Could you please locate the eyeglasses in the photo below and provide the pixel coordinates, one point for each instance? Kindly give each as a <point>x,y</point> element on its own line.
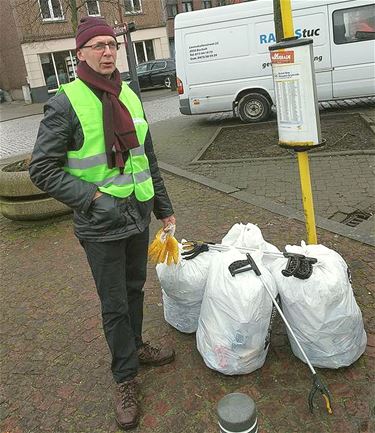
<point>100,46</point>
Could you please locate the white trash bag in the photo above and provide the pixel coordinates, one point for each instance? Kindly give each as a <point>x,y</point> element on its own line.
<point>322,310</point>
<point>249,236</point>
<point>183,287</point>
<point>235,316</point>
<point>181,316</point>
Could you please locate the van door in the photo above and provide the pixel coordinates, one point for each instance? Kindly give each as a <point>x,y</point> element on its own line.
<point>353,49</point>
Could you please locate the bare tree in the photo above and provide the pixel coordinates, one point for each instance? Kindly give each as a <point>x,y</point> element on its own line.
<point>32,15</point>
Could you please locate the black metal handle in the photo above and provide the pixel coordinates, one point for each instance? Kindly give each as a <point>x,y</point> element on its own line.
<point>298,266</point>
<point>240,266</point>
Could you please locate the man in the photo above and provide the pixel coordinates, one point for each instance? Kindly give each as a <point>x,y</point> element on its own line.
<point>94,153</point>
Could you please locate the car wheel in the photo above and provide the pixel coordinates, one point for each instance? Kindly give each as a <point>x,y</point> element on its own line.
<point>167,82</point>
<point>254,107</point>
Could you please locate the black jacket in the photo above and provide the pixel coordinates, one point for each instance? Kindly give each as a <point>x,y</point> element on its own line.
<point>106,218</point>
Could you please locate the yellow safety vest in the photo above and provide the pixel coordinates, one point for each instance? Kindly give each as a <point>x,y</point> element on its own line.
<point>90,161</point>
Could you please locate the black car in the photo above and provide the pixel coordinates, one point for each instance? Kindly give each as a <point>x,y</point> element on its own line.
<point>154,73</point>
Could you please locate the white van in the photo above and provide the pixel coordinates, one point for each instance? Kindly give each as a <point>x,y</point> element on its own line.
<point>223,61</point>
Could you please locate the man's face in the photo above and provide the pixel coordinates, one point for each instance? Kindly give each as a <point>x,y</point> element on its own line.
<point>101,61</point>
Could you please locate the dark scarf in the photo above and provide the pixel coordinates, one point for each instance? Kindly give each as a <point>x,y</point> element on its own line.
<point>119,131</point>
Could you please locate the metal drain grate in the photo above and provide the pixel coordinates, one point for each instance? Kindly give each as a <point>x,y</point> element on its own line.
<point>355,218</point>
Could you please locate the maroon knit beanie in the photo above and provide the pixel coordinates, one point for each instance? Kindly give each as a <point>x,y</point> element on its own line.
<point>89,27</point>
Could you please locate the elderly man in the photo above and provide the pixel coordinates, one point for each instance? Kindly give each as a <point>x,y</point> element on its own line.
<point>94,153</point>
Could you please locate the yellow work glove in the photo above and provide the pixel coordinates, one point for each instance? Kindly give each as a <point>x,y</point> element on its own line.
<point>164,247</point>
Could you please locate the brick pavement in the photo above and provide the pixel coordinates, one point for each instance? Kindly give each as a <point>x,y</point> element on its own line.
<point>55,363</point>
<point>340,182</point>
<point>278,179</point>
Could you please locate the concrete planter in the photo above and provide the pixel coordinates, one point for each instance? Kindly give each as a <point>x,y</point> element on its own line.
<point>21,200</point>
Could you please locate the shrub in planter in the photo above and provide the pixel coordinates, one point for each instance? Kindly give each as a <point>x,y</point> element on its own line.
<point>20,199</point>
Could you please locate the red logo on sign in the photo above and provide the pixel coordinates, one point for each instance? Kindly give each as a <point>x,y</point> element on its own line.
<point>282,56</point>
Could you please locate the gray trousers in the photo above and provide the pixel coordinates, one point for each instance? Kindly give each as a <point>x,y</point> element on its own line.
<point>119,270</point>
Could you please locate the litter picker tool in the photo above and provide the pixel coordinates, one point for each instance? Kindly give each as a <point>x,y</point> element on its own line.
<point>297,265</point>
<point>249,264</point>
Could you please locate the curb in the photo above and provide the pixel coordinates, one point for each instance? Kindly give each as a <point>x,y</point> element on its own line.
<point>20,117</point>
<point>321,222</point>
<point>14,158</point>
<point>198,161</point>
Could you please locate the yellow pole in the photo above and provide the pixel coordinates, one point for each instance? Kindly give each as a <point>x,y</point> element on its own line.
<point>307,199</point>
<point>303,158</point>
<point>287,18</point>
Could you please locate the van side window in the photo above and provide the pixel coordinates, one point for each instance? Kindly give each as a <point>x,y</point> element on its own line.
<point>354,24</point>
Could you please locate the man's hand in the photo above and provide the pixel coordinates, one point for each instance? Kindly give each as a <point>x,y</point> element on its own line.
<point>167,221</point>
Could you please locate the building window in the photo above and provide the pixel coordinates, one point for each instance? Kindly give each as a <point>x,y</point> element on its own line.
<point>92,7</point>
<point>187,6</point>
<point>58,68</point>
<point>133,6</point>
<point>206,4</point>
<point>144,51</point>
<point>51,10</point>
<point>172,10</point>
<point>354,24</point>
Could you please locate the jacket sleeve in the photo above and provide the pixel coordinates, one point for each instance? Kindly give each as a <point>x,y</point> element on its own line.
<point>162,204</point>
<point>49,156</point>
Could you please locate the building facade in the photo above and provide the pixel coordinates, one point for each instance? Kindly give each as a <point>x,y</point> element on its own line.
<point>40,39</point>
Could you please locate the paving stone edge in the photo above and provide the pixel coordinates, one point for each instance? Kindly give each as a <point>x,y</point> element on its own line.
<point>264,203</point>
<point>196,161</point>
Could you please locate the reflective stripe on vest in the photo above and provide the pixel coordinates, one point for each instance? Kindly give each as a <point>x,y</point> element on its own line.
<point>90,161</point>
<point>124,179</point>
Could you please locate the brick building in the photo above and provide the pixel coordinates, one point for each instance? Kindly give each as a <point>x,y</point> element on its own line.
<point>12,66</point>
<point>38,45</point>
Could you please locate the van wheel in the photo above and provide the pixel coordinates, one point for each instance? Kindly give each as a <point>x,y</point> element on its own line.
<point>254,107</point>
<point>167,82</point>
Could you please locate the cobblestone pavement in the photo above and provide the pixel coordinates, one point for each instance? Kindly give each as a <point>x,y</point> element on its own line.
<point>55,363</point>
<point>18,135</point>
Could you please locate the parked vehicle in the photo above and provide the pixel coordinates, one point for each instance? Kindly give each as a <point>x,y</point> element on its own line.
<point>223,62</point>
<point>154,73</point>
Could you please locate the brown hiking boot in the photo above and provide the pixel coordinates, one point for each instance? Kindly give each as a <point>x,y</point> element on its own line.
<point>126,404</point>
<point>149,355</point>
